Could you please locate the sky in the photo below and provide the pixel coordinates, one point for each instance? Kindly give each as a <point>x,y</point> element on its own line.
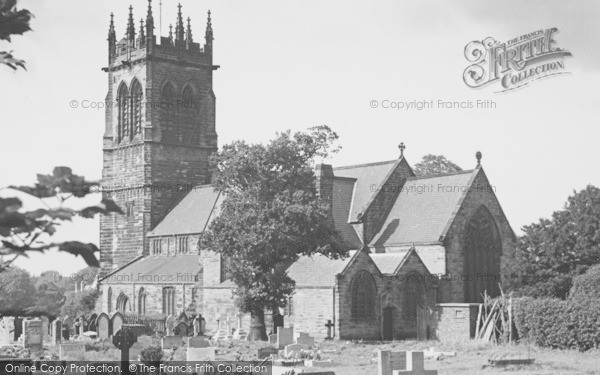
<point>292,65</point>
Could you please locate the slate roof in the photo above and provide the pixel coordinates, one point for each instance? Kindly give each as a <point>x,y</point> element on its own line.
<point>177,269</point>
<point>388,262</point>
<point>367,176</point>
<point>317,270</point>
<point>343,189</point>
<point>424,209</point>
<point>191,214</point>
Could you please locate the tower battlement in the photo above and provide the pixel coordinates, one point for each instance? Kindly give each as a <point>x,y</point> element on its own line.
<point>144,43</point>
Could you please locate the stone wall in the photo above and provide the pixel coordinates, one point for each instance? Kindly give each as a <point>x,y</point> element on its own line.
<point>184,296</point>
<point>456,321</point>
<point>311,309</point>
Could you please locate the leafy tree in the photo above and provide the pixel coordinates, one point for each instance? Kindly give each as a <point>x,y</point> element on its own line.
<point>12,22</point>
<point>554,251</point>
<point>270,216</point>
<point>17,292</point>
<point>80,303</point>
<point>24,231</point>
<point>435,164</point>
<point>49,298</point>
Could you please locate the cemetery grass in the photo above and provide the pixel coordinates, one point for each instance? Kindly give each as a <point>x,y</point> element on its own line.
<point>359,358</point>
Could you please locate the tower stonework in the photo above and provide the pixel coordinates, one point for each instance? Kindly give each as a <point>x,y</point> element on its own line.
<point>160,129</point>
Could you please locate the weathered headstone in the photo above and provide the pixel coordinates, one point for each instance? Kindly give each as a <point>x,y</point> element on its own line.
<point>17,328</point>
<point>71,350</point>
<point>6,330</point>
<point>116,321</point>
<point>201,354</point>
<point>405,363</point>
<point>170,323</point>
<point>124,339</point>
<point>273,339</point>
<point>56,328</point>
<point>181,329</point>
<point>197,342</point>
<point>33,335</point>
<point>45,328</point>
<point>103,326</point>
<point>330,327</point>
<point>294,350</point>
<point>170,342</point>
<point>285,336</point>
<point>267,352</point>
<point>305,339</point>
<point>197,326</point>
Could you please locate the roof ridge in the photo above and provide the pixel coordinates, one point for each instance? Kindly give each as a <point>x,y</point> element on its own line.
<point>469,171</point>
<point>365,165</point>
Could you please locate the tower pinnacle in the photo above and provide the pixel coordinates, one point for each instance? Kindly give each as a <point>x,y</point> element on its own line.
<point>188,33</point>
<point>179,29</point>
<point>131,27</point>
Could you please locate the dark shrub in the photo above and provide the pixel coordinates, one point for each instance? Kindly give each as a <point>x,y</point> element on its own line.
<point>151,355</point>
<point>587,286</point>
<point>559,324</point>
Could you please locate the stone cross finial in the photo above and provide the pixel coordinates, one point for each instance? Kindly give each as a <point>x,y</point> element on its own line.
<point>478,157</point>
<point>401,146</point>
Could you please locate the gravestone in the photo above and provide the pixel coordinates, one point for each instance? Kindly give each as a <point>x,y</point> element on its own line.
<point>197,326</point>
<point>405,363</point>
<point>285,336</point>
<point>103,326</point>
<point>305,339</point>
<point>124,339</point>
<point>267,352</point>
<point>294,350</point>
<point>71,350</point>
<point>330,327</point>
<point>273,339</point>
<point>33,335</point>
<point>45,329</point>
<point>116,322</point>
<point>181,329</point>
<point>56,328</point>
<point>6,330</point>
<point>201,354</point>
<point>170,323</point>
<point>197,342</point>
<point>170,342</point>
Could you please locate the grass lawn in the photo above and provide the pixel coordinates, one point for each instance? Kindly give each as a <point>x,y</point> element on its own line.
<point>354,358</point>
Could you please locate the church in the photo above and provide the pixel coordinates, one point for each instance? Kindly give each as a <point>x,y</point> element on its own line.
<point>423,249</point>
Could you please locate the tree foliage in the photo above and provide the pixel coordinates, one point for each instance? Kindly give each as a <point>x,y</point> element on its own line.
<point>271,215</point>
<point>435,164</point>
<point>12,22</point>
<point>22,232</point>
<point>17,292</point>
<point>80,303</point>
<point>554,251</point>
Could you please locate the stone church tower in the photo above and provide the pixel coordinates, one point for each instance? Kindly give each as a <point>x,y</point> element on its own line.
<point>160,129</point>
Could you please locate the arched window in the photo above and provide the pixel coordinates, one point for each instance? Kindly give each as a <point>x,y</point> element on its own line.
<point>123,119</point>
<point>142,302</point>
<point>169,301</point>
<point>413,296</point>
<point>364,291</point>
<point>483,249</point>
<point>122,303</point>
<point>136,108</point>
<point>167,112</point>
<point>109,300</point>
<point>189,115</point>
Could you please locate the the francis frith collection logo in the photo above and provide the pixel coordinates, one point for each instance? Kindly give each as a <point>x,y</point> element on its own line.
<point>515,63</point>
